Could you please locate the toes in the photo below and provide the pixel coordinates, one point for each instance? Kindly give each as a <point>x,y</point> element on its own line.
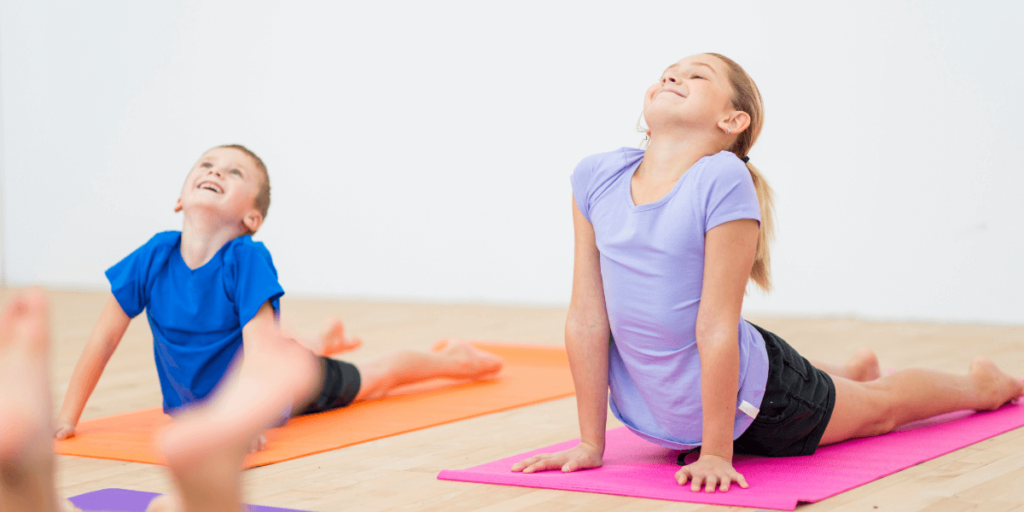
<point>441,345</point>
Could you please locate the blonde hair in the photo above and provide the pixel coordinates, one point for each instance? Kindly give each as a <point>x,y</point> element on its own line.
<point>262,202</point>
<point>747,98</point>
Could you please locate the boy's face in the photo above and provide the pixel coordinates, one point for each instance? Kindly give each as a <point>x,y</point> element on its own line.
<point>225,183</point>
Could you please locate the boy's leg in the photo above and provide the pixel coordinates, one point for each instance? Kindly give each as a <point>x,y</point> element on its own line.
<point>450,358</point>
<point>865,409</point>
<point>26,432</point>
<point>862,367</point>
<point>206,448</point>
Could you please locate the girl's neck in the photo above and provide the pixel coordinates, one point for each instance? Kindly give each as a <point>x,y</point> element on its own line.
<point>667,158</point>
<point>202,237</point>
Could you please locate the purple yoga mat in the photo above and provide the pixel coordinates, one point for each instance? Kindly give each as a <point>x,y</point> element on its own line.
<point>123,500</point>
<point>634,467</point>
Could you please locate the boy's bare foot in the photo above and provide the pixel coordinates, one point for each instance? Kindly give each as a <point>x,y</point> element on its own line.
<point>996,386</point>
<point>334,340</point>
<point>206,449</point>
<point>473,363</point>
<point>26,446</point>
<point>863,366</point>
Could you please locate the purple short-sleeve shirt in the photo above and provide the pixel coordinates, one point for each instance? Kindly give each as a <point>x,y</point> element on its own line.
<point>652,266</point>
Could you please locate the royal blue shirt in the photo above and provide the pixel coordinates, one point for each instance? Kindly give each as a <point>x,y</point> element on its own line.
<point>197,315</point>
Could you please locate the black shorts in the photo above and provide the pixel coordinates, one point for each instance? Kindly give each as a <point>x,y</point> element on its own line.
<point>798,402</point>
<point>340,386</point>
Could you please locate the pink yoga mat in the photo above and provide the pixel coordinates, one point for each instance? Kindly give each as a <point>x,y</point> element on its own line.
<point>634,467</point>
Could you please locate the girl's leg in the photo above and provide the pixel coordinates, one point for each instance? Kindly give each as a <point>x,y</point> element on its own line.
<point>450,358</point>
<point>26,432</point>
<point>205,450</point>
<point>862,367</point>
<point>876,407</point>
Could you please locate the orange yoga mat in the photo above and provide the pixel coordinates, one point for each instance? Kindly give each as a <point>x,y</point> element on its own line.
<point>531,374</point>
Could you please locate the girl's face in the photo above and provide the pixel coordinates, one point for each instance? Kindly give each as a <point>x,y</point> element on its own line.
<point>694,92</point>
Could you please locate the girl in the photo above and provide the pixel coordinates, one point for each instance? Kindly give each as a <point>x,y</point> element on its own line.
<point>666,240</point>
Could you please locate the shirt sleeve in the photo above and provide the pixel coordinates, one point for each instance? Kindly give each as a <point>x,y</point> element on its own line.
<point>129,278</point>
<point>254,280</point>
<point>728,192</point>
<point>581,178</point>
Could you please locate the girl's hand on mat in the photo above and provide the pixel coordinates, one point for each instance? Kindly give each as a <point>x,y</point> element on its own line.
<point>710,470</point>
<point>65,429</point>
<point>581,456</point>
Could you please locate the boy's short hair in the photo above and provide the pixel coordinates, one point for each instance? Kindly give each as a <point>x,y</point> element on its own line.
<point>263,196</point>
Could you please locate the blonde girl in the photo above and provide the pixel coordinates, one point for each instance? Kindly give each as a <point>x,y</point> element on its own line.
<point>666,241</point>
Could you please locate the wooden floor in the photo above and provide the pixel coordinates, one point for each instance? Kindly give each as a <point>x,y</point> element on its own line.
<point>399,473</point>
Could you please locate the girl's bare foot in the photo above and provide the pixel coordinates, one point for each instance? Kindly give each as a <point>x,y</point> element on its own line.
<point>206,448</point>
<point>863,366</point>
<point>334,340</point>
<point>995,386</point>
<point>472,363</point>
<point>26,446</point>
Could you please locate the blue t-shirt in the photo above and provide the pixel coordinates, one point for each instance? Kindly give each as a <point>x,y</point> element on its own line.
<point>197,315</point>
<point>652,267</point>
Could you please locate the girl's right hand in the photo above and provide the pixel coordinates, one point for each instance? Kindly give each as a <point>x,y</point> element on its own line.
<point>65,429</point>
<point>581,456</point>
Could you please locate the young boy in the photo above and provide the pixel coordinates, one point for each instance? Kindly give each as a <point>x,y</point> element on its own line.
<point>210,289</point>
<point>204,451</point>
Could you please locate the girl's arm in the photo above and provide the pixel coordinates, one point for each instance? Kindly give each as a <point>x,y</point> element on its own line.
<point>728,257</point>
<point>586,341</point>
<point>102,343</point>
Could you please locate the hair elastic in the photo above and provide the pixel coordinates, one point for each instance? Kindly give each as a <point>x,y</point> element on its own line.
<point>745,159</point>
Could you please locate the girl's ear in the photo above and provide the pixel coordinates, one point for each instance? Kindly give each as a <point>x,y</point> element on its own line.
<point>735,123</point>
<point>252,221</point>
<point>177,205</point>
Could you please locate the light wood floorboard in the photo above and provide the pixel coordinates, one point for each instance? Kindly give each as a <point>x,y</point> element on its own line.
<point>399,473</point>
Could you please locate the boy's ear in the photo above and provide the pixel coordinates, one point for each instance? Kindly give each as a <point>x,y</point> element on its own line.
<point>252,221</point>
<point>177,205</point>
<point>735,123</point>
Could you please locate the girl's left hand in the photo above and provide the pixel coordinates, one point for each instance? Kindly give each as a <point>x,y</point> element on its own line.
<point>710,470</point>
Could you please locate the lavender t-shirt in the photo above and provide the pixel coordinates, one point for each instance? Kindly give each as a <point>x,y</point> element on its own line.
<point>652,265</point>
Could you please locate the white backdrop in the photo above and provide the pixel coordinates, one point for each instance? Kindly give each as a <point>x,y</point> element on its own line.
<point>421,150</point>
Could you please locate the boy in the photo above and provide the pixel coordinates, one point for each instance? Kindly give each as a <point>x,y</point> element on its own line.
<point>210,289</point>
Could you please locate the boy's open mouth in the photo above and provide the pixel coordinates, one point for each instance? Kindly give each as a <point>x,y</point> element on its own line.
<point>211,186</point>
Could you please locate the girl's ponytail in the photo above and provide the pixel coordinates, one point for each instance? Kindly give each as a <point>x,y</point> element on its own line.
<point>747,98</point>
<point>761,272</point>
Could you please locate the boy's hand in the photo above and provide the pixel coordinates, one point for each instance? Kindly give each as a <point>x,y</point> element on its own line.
<point>710,470</point>
<point>65,429</point>
<point>581,456</point>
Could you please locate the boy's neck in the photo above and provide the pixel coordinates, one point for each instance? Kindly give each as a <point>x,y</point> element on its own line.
<point>202,237</point>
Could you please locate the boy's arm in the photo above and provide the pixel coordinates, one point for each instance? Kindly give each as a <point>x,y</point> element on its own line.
<point>102,343</point>
<point>262,327</point>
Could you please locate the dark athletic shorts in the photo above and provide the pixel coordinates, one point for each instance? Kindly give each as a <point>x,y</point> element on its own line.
<point>798,402</point>
<point>340,387</point>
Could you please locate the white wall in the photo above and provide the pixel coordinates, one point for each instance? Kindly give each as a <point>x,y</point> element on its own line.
<point>421,150</point>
